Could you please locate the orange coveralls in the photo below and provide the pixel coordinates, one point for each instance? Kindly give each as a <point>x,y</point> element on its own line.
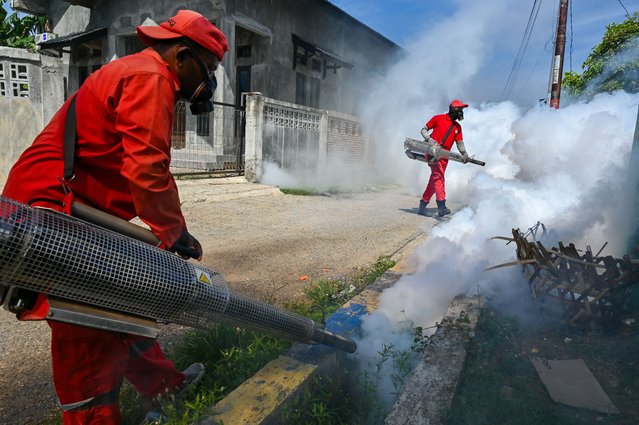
<point>440,124</point>
<point>122,156</point>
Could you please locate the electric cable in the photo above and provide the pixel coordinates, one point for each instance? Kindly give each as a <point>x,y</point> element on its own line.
<point>512,77</point>
<point>624,8</point>
<point>571,37</point>
<point>545,51</point>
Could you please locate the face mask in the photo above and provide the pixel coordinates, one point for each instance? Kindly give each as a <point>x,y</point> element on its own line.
<point>201,98</point>
<point>456,113</point>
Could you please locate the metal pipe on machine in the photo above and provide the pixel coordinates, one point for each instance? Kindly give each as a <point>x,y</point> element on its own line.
<point>97,277</point>
<point>417,149</point>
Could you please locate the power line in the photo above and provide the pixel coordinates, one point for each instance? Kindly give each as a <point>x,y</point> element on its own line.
<point>571,36</point>
<point>532,19</point>
<point>624,8</point>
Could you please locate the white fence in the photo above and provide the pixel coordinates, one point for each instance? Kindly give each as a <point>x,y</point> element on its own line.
<point>297,138</point>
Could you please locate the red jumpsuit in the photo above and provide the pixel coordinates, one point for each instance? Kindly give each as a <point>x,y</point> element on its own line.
<point>441,124</point>
<point>124,123</point>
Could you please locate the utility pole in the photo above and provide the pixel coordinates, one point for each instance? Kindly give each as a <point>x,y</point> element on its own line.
<point>557,67</point>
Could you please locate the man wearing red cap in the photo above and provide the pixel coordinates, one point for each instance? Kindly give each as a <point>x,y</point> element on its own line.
<point>446,130</point>
<point>124,117</point>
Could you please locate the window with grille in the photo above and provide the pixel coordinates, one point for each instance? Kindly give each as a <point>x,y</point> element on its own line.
<point>243,51</point>
<point>314,93</point>
<point>3,83</point>
<point>300,89</point>
<point>19,78</point>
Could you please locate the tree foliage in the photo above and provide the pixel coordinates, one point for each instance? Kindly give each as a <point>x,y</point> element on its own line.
<point>613,64</point>
<point>18,31</point>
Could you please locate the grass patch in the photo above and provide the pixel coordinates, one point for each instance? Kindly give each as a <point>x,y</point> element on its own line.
<point>359,397</point>
<point>335,190</point>
<point>321,402</point>
<point>298,192</point>
<point>230,356</point>
<point>325,296</point>
<point>499,384</point>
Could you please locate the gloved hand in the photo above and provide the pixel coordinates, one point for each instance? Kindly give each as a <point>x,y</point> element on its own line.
<point>187,246</point>
<point>465,157</point>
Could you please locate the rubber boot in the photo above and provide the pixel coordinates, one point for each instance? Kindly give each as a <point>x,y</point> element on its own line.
<point>441,208</point>
<point>422,207</point>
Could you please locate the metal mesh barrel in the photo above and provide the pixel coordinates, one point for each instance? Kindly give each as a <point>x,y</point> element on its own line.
<point>51,253</point>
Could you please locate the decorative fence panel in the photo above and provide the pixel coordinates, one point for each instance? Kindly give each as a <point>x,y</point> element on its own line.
<point>300,140</point>
<point>291,137</point>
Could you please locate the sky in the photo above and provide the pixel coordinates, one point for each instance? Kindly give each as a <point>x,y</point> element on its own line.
<point>404,21</point>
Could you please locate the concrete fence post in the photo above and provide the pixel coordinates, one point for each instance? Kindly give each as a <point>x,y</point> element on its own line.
<point>323,140</point>
<point>253,141</point>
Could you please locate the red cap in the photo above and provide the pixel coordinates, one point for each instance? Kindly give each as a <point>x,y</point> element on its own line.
<point>187,23</point>
<point>458,104</point>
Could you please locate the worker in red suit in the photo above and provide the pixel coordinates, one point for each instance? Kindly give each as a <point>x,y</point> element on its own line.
<point>446,130</point>
<point>124,117</point>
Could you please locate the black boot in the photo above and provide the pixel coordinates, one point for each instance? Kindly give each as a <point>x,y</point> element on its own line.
<point>422,207</point>
<point>441,208</point>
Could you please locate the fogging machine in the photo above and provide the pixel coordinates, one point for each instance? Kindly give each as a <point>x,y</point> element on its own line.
<point>418,149</point>
<point>111,276</point>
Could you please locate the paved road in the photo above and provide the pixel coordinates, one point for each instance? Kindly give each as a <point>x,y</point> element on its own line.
<point>261,240</point>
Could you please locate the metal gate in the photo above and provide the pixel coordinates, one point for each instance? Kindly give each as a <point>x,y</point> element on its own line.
<point>208,144</point>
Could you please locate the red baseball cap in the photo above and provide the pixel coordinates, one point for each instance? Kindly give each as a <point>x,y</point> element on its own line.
<point>458,104</point>
<point>187,23</point>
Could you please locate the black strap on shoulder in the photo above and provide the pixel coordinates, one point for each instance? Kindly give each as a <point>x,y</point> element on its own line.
<point>70,139</point>
<point>447,133</point>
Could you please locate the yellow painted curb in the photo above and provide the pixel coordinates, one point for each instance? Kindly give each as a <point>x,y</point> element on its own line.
<point>258,397</point>
<point>405,267</point>
<point>367,298</point>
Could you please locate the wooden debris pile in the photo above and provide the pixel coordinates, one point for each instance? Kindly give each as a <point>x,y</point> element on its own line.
<point>591,289</point>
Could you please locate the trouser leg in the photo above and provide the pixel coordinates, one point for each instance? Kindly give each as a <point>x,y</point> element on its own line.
<point>430,187</point>
<point>88,368</point>
<point>438,172</point>
<point>150,372</point>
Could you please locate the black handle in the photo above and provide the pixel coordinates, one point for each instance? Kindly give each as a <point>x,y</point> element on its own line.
<point>185,251</point>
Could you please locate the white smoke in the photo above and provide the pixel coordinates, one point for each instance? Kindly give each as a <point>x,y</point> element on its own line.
<point>566,168</point>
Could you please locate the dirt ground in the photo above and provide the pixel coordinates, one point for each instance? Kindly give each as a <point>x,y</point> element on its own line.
<point>262,240</point>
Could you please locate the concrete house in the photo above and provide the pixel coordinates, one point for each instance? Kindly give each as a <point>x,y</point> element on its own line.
<point>307,53</point>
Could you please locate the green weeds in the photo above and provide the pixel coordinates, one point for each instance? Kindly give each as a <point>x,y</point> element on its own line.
<point>231,355</point>
<point>360,398</point>
<point>298,192</point>
<point>325,296</point>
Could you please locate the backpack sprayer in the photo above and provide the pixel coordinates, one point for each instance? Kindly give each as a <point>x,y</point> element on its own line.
<point>57,267</point>
<point>418,149</point>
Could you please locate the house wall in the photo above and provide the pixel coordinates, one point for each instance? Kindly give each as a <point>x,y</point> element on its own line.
<point>268,26</point>
<point>324,25</point>
<point>31,91</point>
